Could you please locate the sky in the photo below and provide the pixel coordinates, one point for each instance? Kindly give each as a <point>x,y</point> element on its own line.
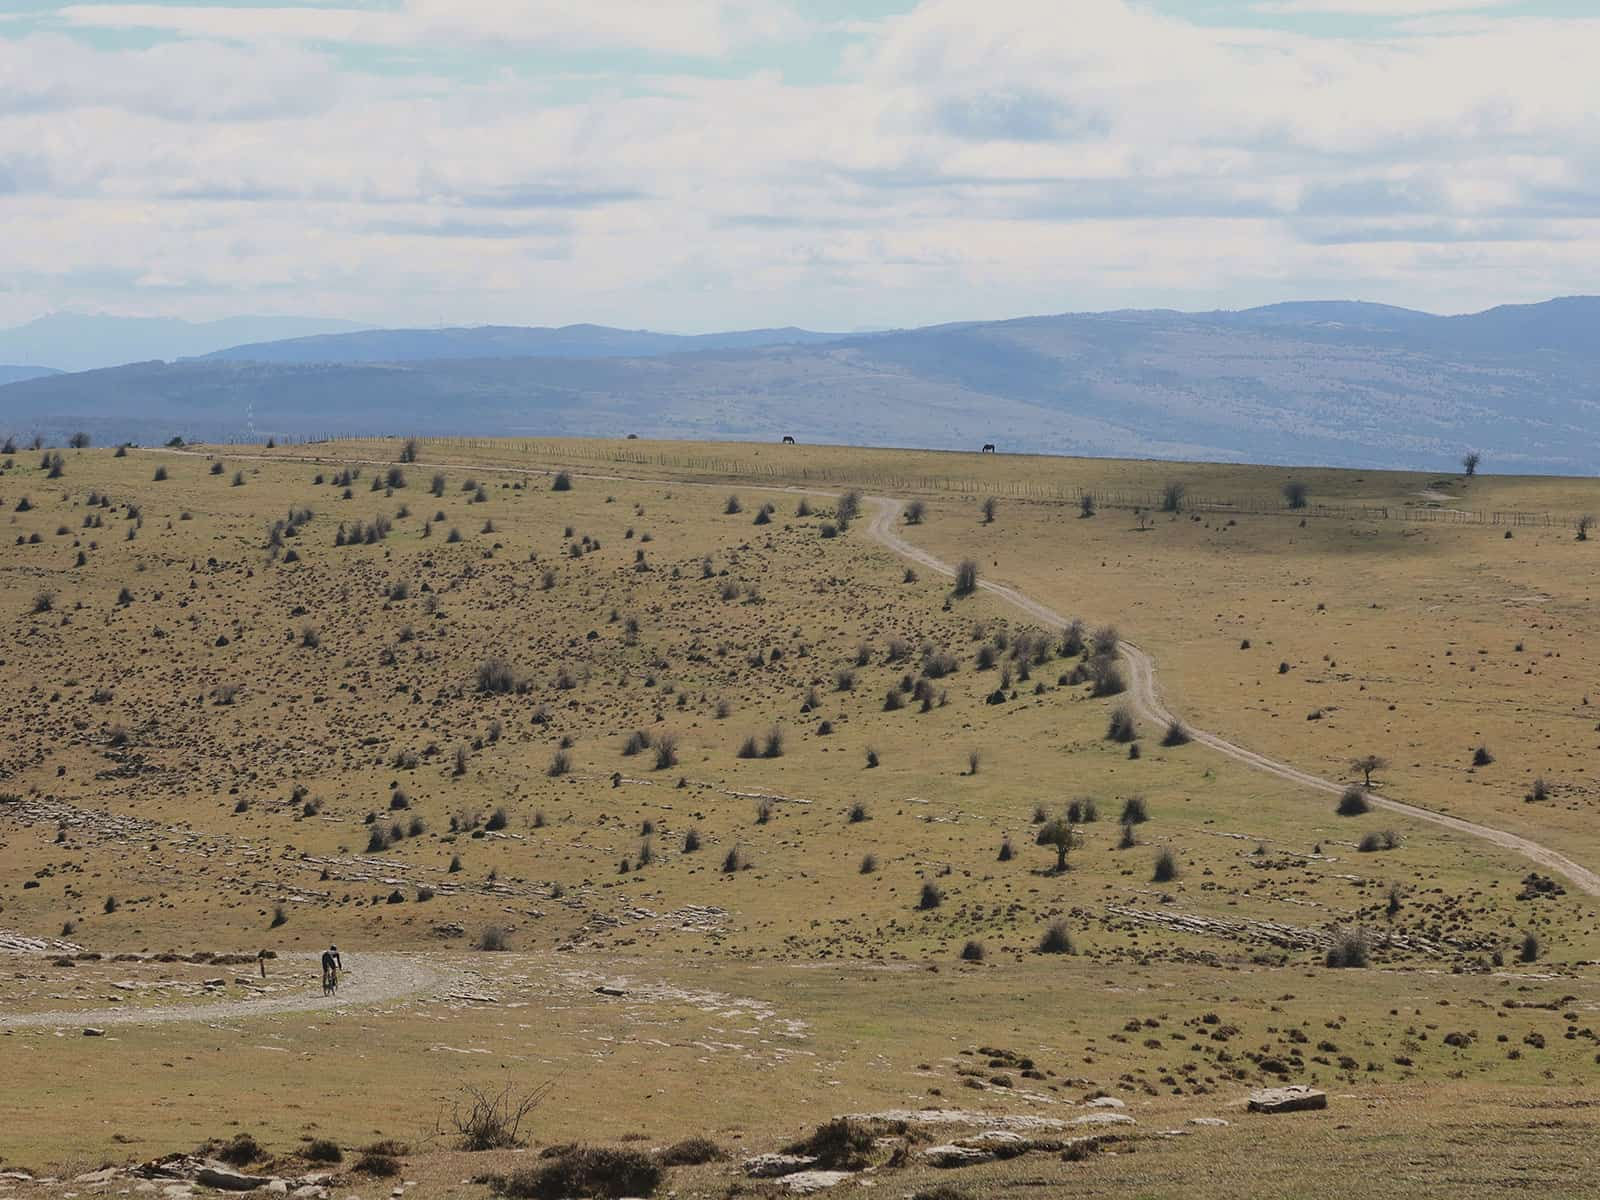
<point>839,164</point>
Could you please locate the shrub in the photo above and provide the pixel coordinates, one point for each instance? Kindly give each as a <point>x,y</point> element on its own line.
<point>1135,810</point>
<point>561,483</point>
<point>484,1120</point>
<point>560,764</point>
<point>1353,802</point>
<point>1386,839</point>
<point>749,748</point>
<point>666,747</point>
<point>691,841</point>
<point>496,675</point>
<point>772,747</point>
<point>497,820</point>
<point>893,701</point>
<point>161,475</point>
<point>691,1152</point>
<point>322,1150</point>
<point>1350,948</point>
<point>1295,494</point>
<point>590,1171</point>
<point>1529,950</point>
<point>732,506</point>
<point>1056,939</point>
<point>972,951</point>
<point>1166,867</point>
<point>1481,757</point>
<point>734,861</point>
<point>1540,790</point>
<point>1122,727</point>
<point>379,1166</point>
<point>858,813</point>
<point>915,512</point>
<point>989,506</point>
<point>241,1151</point>
<point>869,864</point>
<point>1176,734</point>
<point>493,938</point>
<point>966,578</point>
<point>637,741</point>
<point>838,1145</point>
<point>931,897</point>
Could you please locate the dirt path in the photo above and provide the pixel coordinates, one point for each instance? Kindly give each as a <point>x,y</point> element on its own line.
<point>885,528</point>
<point>372,978</point>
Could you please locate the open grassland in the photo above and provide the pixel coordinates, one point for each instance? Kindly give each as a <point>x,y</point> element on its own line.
<point>798,805</point>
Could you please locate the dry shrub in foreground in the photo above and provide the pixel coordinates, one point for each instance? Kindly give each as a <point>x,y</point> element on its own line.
<point>482,1120</point>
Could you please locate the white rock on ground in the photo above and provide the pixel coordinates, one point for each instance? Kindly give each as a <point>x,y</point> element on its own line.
<point>1295,1098</point>
<point>803,1183</point>
<point>772,1166</point>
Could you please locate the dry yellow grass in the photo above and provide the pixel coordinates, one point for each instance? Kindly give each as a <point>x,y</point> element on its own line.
<point>210,747</point>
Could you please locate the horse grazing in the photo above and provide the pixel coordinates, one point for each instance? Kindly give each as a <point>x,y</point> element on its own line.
<point>787,440</point>
<point>988,448</point>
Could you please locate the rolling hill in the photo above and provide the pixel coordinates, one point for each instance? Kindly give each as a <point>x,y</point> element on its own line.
<point>1338,384</point>
<point>505,341</point>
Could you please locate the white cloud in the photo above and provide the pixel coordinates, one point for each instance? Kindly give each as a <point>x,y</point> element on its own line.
<point>955,168</point>
<point>697,28</point>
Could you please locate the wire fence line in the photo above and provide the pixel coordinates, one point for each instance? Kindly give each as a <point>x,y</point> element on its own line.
<point>1154,500</point>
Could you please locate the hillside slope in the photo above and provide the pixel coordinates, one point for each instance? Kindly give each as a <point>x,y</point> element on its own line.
<point>1349,385</point>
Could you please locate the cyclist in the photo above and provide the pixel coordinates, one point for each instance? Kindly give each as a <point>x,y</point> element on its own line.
<point>331,966</point>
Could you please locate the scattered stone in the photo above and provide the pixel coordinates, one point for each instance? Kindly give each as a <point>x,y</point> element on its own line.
<point>803,1183</point>
<point>957,1156</point>
<point>104,1175</point>
<point>773,1166</point>
<point>1104,1118</point>
<point>1105,1102</point>
<point>91,1031</point>
<point>1214,1122</point>
<point>228,1180</point>
<point>608,990</point>
<point>1295,1098</point>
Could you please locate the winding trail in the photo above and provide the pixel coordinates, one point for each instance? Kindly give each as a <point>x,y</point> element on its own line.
<point>884,527</point>
<point>377,977</point>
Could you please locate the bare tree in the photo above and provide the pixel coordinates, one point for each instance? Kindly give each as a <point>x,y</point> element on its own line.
<point>1086,505</point>
<point>1367,764</point>
<point>1470,461</point>
<point>990,505</point>
<point>1172,497</point>
<point>78,441</point>
<point>1585,523</point>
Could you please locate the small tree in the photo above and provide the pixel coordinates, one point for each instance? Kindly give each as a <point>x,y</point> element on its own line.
<point>1086,505</point>
<point>1295,494</point>
<point>78,441</point>
<point>408,452</point>
<point>1172,497</point>
<point>1470,461</point>
<point>915,512</point>
<point>1367,764</point>
<point>1585,523</point>
<point>990,506</point>
<point>1059,834</point>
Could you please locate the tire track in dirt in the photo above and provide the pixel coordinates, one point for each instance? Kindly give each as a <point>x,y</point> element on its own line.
<point>377,977</point>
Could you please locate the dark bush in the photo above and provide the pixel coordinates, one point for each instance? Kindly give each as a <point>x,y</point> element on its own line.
<point>583,1171</point>
<point>1122,727</point>
<point>1353,802</point>
<point>1056,939</point>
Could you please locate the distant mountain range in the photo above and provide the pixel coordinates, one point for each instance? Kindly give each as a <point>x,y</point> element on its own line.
<point>506,341</point>
<point>16,374</point>
<point>1336,383</point>
<point>73,342</point>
